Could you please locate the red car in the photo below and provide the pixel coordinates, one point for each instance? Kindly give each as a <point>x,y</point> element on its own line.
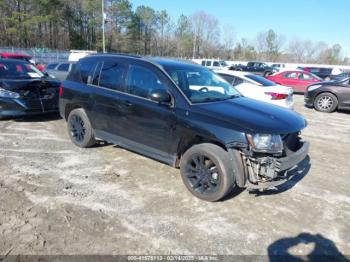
<point>298,80</point>
<point>21,57</point>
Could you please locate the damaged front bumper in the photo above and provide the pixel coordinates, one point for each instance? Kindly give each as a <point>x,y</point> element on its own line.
<point>268,171</point>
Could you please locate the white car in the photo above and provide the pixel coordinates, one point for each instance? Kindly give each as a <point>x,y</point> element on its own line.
<point>213,64</point>
<point>259,88</point>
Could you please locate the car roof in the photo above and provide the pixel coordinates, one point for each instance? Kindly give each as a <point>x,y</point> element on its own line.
<point>233,73</point>
<point>162,62</point>
<point>14,55</point>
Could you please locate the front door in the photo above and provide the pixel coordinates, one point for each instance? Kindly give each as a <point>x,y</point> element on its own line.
<point>148,124</point>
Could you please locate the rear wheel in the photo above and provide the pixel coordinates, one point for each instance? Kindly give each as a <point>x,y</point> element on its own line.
<point>79,128</point>
<point>207,172</point>
<point>326,102</point>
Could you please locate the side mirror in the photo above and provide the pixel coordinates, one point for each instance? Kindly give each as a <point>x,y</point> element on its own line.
<point>161,96</point>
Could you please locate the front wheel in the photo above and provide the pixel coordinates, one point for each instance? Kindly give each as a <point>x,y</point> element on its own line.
<point>326,102</point>
<point>207,172</point>
<point>80,129</point>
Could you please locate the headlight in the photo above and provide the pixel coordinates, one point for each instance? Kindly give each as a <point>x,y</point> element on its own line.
<point>310,88</point>
<point>265,143</point>
<point>8,94</point>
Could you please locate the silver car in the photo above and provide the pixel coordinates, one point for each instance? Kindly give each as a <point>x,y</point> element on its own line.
<point>59,70</point>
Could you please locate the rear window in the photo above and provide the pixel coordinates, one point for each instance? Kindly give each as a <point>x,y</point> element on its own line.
<point>63,67</point>
<point>51,66</point>
<point>261,80</point>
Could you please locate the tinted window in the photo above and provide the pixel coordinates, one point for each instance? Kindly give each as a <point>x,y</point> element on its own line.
<point>208,63</point>
<point>63,67</point>
<point>86,71</point>
<point>141,81</point>
<point>20,69</point>
<point>261,80</point>
<point>203,63</point>
<point>228,78</point>
<point>51,66</point>
<point>216,63</point>
<point>112,75</point>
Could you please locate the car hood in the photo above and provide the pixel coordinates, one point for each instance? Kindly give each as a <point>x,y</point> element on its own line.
<point>253,116</point>
<point>20,84</point>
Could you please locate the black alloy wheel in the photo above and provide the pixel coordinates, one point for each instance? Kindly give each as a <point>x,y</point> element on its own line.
<point>202,174</point>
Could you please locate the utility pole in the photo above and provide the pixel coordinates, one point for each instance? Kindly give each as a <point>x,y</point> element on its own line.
<point>103,27</point>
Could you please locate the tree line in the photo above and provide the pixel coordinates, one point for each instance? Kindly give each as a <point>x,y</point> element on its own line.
<point>66,24</point>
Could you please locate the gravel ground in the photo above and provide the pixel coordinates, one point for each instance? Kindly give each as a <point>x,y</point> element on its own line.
<point>59,199</point>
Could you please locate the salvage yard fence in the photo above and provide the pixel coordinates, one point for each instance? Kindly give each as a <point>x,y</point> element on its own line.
<point>40,55</point>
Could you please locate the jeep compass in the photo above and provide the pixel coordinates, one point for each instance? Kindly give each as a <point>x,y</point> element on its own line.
<point>184,115</point>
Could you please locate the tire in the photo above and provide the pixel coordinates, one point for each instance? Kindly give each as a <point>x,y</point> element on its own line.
<point>207,172</point>
<point>326,102</point>
<point>79,129</point>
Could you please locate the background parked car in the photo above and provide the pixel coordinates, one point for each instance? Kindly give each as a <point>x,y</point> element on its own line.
<point>214,64</point>
<point>259,88</point>
<point>25,90</point>
<point>329,96</point>
<point>59,70</point>
<point>256,68</point>
<point>24,57</point>
<point>298,80</point>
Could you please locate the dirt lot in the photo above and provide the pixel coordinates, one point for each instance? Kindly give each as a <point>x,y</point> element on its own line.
<point>58,199</point>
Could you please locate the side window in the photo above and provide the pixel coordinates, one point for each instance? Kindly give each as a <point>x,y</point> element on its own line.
<point>208,63</point>
<point>112,75</point>
<point>86,71</point>
<point>291,75</point>
<point>96,76</point>
<point>303,76</point>
<point>203,63</point>
<point>63,67</point>
<point>51,66</point>
<point>229,79</point>
<point>141,81</point>
<point>238,81</point>
<point>216,63</point>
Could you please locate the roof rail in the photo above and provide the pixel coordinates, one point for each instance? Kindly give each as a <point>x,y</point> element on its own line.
<point>120,54</point>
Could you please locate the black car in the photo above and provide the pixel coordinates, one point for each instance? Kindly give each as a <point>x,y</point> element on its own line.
<point>329,96</point>
<point>258,68</point>
<point>184,115</point>
<point>24,90</point>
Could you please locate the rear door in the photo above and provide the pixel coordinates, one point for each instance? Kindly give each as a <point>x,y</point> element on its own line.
<point>305,79</point>
<point>290,79</point>
<point>109,107</point>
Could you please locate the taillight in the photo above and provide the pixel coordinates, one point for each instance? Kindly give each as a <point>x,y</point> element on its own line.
<point>60,90</point>
<point>276,96</point>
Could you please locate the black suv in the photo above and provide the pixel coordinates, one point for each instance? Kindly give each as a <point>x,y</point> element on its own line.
<point>184,115</point>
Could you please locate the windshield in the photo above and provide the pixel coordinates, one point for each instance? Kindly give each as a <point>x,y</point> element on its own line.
<point>14,69</point>
<point>223,63</point>
<point>202,85</point>
<point>261,80</point>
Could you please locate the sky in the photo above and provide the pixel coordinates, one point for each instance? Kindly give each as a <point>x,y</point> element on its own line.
<point>316,20</point>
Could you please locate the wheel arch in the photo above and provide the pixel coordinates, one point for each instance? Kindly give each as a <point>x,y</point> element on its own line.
<point>188,141</point>
<point>69,108</point>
